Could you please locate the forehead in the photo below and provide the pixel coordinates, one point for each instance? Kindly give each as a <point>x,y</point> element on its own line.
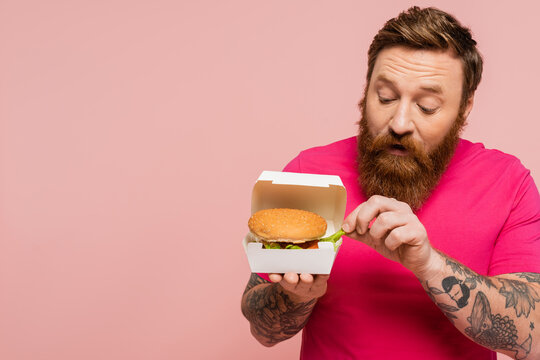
<point>439,70</point>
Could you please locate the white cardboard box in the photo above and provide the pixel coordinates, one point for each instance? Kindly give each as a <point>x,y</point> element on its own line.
<point>322,194</point>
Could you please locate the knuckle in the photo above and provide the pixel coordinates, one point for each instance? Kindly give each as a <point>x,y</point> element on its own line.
<point>390,241</point>
<point>384,218</point>
<point>398,234</point>
<point>416,225</point>
<point>375,199</point>
<point>405,207</point>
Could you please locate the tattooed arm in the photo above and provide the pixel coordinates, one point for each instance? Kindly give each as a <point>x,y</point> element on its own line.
<point>498,312</point>
<point>279,309</point>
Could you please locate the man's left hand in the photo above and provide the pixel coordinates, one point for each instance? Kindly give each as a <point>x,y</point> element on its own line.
<point>391,228</point>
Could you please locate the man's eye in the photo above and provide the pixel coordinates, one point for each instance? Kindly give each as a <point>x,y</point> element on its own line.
<point>427,110</point>
<point>384,100</point>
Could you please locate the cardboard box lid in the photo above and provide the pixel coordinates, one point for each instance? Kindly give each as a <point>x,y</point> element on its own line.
<point>322,194</point>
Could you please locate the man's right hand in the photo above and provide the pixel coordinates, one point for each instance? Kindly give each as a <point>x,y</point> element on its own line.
<point>280,309</point>
<point>303,287</point>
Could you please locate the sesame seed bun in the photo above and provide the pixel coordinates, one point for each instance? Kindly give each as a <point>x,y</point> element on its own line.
<point>287,225</point>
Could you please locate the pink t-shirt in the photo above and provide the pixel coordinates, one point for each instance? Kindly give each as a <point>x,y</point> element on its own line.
<point>485,212</point>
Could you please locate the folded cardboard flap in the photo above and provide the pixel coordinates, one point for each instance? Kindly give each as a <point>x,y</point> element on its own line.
<point>289,178</point>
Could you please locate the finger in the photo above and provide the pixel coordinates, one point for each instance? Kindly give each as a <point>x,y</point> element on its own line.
<point>304,283</point>
<point>289,281</point>
<point>275,278</point>
<point>321,279</point>
<point>386,222</point>
<point>319,282</point>
<point>400,236</point>
<point>378,204</point>
<point>360,219</point>
<point>395,239</point>
<point>391,204</point>
<point>349,224</point>
<point>357,222</point>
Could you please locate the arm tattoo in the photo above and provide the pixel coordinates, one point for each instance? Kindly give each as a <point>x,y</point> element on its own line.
<point>493,330</point>
<point>471,278</point>
<point>519,295</point>
<point>530,277</point>
<point>272,314</point>
<point>255,280</point>
<point>456,290</point>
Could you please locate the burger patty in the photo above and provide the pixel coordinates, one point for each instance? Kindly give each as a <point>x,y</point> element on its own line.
<point>313,244</point>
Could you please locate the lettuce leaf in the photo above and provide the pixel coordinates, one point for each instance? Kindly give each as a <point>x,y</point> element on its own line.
<point>291,246</point>
<point>272,245</point>
<point>334,238</point>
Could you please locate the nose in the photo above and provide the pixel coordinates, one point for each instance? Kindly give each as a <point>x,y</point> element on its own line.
<point>401,123</point>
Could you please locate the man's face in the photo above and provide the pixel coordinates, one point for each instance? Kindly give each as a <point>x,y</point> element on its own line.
<point>411,121</point>
<point>415,93</point>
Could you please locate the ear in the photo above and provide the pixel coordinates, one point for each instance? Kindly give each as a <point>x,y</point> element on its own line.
<point>468,106</point>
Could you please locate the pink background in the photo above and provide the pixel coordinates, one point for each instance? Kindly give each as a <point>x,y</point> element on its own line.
<point>131,133</point>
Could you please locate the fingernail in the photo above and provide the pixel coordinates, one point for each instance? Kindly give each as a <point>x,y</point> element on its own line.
<point>346,227</point>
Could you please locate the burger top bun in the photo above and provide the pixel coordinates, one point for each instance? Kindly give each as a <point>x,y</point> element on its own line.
<point>292,225</point>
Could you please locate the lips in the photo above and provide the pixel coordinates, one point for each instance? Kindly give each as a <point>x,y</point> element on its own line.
<point>398,149</point>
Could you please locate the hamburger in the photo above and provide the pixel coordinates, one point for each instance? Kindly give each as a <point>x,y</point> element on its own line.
<point>287,228</point>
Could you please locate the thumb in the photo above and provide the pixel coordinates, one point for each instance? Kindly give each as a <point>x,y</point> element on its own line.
<point>349,224</point>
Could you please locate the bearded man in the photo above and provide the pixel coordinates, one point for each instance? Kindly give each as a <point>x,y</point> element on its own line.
<point>424,207</point>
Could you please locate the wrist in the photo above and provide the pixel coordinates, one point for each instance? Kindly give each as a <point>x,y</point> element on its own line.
<point>434,267</point>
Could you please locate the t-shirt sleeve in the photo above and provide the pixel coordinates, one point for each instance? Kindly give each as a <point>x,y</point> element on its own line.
<point>517,248</point>
<point>264,276</point>
<point>293,165</point>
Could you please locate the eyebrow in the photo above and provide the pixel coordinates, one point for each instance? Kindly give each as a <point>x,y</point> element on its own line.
<point>435,89</point>
<point>384,79</point>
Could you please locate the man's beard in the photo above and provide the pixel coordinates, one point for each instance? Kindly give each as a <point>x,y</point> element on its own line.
<point>409,178</point>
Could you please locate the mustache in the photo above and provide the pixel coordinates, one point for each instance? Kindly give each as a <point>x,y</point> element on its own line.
<point>415,151</point>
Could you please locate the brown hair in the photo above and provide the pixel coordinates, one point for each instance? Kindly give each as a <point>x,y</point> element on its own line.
<point>431,28</point>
